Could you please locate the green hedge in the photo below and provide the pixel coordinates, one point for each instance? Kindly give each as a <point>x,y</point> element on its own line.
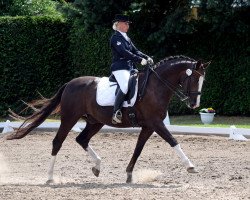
<point>227,80</point>
<point>32,58</point>
<point>90,53</point>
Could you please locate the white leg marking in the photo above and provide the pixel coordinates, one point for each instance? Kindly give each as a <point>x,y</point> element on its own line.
<point>183,157</point>
<point>96,158</point>
<point>51,168</point>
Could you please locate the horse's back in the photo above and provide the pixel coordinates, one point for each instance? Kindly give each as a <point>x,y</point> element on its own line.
<point>81,89</point>
<point>83,81</point>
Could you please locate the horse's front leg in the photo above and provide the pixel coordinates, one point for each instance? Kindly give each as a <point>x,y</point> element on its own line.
<point>161,129</point>
<point>143,137</point>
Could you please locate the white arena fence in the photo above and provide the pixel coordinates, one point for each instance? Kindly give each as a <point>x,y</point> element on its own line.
<point>232,132</point>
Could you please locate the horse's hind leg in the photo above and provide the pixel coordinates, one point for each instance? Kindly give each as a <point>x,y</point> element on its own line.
<point>143,137</point>
<point>65,127</point>
<point>84,138</point>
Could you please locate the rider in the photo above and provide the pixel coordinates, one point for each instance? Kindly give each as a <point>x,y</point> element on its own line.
<point>125,55</point>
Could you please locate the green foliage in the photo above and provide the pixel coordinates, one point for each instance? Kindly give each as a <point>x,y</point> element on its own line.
<point>226,86</point>
<point>90,53</point>
<point>32,52</point>
<point>227,80</point>
<point>4,7</point>
<point>68,11</point>
<point>153,16</point>
<point>222,16</point>
<point>30,8</point>
<point>99,14</point>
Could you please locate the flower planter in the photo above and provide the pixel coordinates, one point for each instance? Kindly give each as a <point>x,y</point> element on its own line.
<point>207,118</point>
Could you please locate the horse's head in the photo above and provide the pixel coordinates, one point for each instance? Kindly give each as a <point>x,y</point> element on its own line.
<point>186,72</point>
<point>191,82</point>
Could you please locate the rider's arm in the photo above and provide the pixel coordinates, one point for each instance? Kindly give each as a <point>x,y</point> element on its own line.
<point>120,48</point>
<point>137,52</point>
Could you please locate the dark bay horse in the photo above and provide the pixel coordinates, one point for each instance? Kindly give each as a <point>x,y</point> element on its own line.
<point>77,99</point>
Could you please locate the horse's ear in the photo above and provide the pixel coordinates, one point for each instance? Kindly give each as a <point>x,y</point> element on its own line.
<point>198,65</point>
<point>201,65</point>
<point>205,65</point>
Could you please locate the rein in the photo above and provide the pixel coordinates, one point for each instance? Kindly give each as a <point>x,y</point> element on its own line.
<point>177,92</point>
<point>182,95</point>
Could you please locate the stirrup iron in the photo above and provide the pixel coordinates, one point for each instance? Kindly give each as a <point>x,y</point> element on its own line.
<point>117,117</point>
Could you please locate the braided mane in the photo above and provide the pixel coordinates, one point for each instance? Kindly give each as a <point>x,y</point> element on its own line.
<point>172,58</point>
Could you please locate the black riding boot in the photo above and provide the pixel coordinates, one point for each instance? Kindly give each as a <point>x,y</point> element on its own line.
<point>117,114</point>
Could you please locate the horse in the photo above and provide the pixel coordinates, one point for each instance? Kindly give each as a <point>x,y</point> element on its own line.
<point>76,99</point>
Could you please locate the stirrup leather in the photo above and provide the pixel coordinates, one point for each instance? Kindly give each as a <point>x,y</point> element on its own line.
<point>117,117</point>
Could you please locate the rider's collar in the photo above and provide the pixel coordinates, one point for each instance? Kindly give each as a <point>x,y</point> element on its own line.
<point>124,35</point>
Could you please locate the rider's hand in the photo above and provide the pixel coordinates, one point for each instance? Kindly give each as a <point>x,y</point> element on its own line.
<point>144,62</point>
<point>150,61</point>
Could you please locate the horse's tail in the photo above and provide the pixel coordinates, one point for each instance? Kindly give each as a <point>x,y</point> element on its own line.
<point>39,116</point>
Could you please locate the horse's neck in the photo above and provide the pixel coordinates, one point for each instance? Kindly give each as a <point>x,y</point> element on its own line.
<point>172,73</point>
<point>170,76</point>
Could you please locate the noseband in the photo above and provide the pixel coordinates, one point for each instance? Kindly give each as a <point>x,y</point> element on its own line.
<point>183,95</point>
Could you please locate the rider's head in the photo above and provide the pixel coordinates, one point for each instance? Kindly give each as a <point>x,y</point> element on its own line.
<point>121,23</point>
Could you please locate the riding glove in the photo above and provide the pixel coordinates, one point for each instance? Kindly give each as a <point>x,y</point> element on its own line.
<point>144,62</point>
<point>150,61</point>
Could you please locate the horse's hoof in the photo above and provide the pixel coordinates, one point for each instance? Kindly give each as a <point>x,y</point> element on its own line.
<point>129,178</point>
<point>192,170</point>
<point>49,181</point>
<point>95,171</point>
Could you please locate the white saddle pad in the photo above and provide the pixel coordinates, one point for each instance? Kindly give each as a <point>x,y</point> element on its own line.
<point>105,93</point>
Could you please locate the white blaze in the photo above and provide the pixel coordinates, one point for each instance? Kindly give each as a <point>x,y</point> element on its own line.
<point>201,79</point>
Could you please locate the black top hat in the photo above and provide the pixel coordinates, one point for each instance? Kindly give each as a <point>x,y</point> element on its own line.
<point>121,18</point>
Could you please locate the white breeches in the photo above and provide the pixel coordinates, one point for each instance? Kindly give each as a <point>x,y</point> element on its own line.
<point>122,77</point>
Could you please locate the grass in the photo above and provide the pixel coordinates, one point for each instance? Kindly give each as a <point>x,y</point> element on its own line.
<point>219,121</point>
<point>194,120</point>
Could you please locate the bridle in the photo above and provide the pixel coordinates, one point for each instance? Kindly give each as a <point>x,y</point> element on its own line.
<point>188,92</point>
<point>183,95</point>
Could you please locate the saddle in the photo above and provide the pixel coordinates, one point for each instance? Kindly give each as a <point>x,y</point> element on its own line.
<point>107,88</point>
<point>106,92</point>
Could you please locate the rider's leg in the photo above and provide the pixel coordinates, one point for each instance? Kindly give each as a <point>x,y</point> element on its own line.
<point>122,77</point>
<point>117,114</point>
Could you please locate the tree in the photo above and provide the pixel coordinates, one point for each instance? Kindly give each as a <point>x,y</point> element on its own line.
<point>96,14</point>
<point>4,7</point>
<point>29,8</point>
<point>223,16</point>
